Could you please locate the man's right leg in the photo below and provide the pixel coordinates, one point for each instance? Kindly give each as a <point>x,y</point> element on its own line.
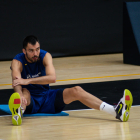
<point>121,111</point>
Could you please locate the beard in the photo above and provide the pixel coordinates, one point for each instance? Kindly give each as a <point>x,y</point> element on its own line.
<point>33,59</point>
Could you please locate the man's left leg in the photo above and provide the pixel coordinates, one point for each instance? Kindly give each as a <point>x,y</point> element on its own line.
<point>121,111</point>
<point>17,108</point>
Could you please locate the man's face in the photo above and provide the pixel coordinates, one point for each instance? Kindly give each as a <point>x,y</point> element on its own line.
<point>32,52</point>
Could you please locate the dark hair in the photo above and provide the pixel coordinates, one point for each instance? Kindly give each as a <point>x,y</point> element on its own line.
<point>30,39</point>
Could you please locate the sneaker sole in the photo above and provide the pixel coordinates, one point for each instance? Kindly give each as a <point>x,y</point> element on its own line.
<point>128,102</point>
<point>14,104</point>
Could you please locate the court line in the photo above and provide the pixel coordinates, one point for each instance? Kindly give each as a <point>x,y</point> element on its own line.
<point>5,84</point>
<point>87,78</point>
<point>98,77</point>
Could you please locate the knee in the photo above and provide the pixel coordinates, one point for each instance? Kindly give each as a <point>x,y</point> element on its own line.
<point>25,92</point>
<point>72,94</point>
<point>77,90</point>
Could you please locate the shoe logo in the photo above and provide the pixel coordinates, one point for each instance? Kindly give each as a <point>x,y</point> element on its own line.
<point>16,117</point>
<point>103,107</point>
<point>120,108</point>
<point>126,114</point>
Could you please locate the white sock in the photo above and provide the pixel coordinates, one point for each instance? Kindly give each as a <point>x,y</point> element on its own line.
<point>22,109</point>
<point>108,108</point>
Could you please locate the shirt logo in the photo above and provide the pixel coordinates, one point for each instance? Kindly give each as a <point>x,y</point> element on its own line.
<point>33,76</point>
<point>28,76</point>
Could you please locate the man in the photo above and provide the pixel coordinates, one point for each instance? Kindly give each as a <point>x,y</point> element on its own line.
<point>33,71</point>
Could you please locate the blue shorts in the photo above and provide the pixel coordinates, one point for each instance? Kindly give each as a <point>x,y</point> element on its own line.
<point>50,101</point>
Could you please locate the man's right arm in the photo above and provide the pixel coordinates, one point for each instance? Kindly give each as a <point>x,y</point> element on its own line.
<point>16,69</point>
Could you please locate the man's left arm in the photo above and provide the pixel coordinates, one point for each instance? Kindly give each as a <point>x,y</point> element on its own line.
<point>50,72</point>
<point>43,80</point>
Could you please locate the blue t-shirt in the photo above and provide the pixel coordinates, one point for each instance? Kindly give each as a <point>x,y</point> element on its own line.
<point>33,70</point>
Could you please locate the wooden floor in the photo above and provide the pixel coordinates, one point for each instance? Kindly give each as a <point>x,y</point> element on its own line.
<point>85,124</point>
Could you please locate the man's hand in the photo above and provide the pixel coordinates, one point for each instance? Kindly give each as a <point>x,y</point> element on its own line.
<point>20,81</point>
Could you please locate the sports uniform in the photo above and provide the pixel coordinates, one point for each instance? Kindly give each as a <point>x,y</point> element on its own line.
<point>43,99</point>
